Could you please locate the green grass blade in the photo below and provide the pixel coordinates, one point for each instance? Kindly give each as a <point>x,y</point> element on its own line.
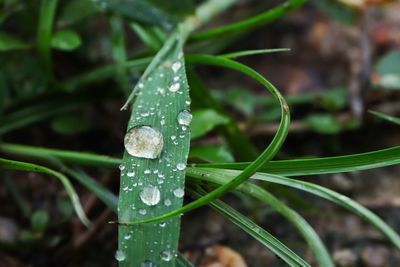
<point>300,167</point>
<point>258,233</point>
<point>250,23</point>
<point>119,50</point>
<point>43,41</point>
<point>35,113</point>
<point>267,155</point>
<point>108,198</point>
<point>162,94</point>
<point>147,36</point>
<point>24,166</point>
<point>103,72</point>
<point>292,216</point>
<point>253,52</point>
<point>384,116</point>
<point>80,158</point>
<point>325,193</point>
<point>348,163</point>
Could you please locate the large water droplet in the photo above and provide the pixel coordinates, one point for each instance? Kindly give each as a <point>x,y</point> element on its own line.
<point>181,166</point>
<point>184,117</point>
<point>148,264</point>
<point>120,255</point>
<point>150,195</point>
<point>144,142</point>
<point>166,255</point>
<point>179,192</point>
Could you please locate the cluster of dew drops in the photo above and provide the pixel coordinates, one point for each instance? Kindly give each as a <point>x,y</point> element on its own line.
<point>148,142</point>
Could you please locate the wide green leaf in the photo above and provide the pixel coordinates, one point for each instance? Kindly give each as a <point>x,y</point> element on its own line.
<point>66,40</point>
<point>205,120</point>
<point>389,70</point>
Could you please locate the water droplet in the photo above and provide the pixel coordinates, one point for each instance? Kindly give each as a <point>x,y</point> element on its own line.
<point>127,237</point>
<point>174,87</point>
<point>150,195</point>
<point>181,166</point>
<point>184,117</point>
<point>179,192</point>
<point>121,167</point>
<point>167,202</point>
<point>166,255</point>
<point>131,174</point>
<point>144,142</point>
<point>173,137</point>
<point>148,264</point>
<point>120,255</point>
<point>176,66</point>
<point>188,102</point>
<point>162,224</point>
<point>142,211</point>
<point>147,171</point>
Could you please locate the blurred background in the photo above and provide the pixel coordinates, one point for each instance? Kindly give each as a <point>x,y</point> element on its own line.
<point>343,63</point>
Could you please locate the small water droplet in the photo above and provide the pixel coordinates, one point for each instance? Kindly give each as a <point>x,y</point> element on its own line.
<point>167,202</point>
<point>184,117</point>
<point>162,224</point>
<point>181,166</point>
<point>188,102</point>
<point>121,167</point>
<point>144,142</point>
<point>166,255</point>
<point>179,192</point>
<point>142,211</point>
<point>120,255</point>
<point>127,237</point>
<point>176,66</point>
<point>131,174</point>
<point>150,195</point>
<point>173,137</point>
<point>174,87</point>
<point>148,264</point>
<point>147,171</point>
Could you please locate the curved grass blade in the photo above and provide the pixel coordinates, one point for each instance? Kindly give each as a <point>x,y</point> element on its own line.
<point>24,166</point>
<point>325,193</point>
<point>250,23</point>
<point>348,163</point>
<point>384,116</point>
<point>258,233</point>
<point>253,52</point>
<point>300,167</point>
<point>305,229</point>
<point>267,155</point>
